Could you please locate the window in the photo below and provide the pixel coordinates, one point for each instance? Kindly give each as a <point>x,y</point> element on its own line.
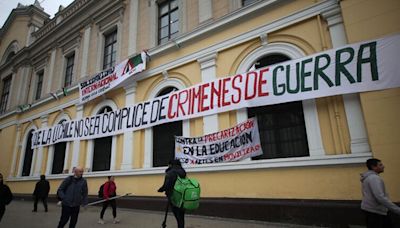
<point>26,168</point>
<point>102,149</point>
<point>282,127</point>
<point>59,156</point>
<point>5,94</point>
<point>247,2</point>
<point>163,138</point>
<point>69,70</point>
<point>110,50</point>
<point>168,21</point>
<point>39,85</point>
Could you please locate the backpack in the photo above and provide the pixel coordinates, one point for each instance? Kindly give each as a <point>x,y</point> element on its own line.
<point>186,193</point>
<point>101,191</point>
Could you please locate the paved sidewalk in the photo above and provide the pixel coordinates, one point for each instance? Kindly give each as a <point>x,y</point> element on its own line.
<point>19,214</point>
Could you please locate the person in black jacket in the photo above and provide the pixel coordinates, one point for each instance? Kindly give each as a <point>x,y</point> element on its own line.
<point>73,193</point>
<point>5,196</point>
<point>41,192</point>
<point>174,169</point>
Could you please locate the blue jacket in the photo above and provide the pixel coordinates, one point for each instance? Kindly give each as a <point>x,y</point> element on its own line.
<point>73,192</point>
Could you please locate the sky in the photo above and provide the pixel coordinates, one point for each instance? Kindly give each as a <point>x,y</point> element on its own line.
<point>50,7</point>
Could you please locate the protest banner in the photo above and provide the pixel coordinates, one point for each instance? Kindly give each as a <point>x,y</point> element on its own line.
<point>110,78</point>
<point>361,67</point>
<point>234,144</point>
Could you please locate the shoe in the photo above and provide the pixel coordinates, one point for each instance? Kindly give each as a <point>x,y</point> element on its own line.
<point>116,221</point>
<point>101,221</point>
<point>34,210</point>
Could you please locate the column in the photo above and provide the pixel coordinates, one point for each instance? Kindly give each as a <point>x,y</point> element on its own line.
<point>39,154</point>
<point>129,140</point>
<point>50,159</point>
<point>85,51</point>
<point>24,89</point>
<point>30,39</point>
<point>153,30</point>
<point>119,41</point>
<point>133,26</point>
<point>205,10</point>
<point>17,145</point>
<point>50,74</point>
<point>208,69</point>
<point>76,143</point>
<point>67,147</point>
<point>354,115</point>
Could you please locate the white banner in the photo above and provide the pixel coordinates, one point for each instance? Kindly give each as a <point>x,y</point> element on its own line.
<point>234,144</point>
<point>108,79</point>
<point>366,66</point>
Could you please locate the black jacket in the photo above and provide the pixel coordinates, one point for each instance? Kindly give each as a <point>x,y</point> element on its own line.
<point>5,195</point>
<point>170,178</point>
<point>42,189</point>
<point>73,192</point>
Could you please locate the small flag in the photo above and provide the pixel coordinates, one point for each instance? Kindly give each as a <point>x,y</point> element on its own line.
<point>65,91</point>
<point>54,95</point>
<point>24,107</point>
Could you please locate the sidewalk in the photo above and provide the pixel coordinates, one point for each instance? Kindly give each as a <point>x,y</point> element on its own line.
<point>19,214</point>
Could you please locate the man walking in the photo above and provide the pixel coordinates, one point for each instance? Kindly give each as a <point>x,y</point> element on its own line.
<point>109,190</point>
<point>375,202</point>
<point>171,175</point>
<point>5,196</point>
<point>41,192</point>
<point>73,193</point>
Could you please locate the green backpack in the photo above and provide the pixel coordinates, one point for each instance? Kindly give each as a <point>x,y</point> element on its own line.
<point>186,193</point>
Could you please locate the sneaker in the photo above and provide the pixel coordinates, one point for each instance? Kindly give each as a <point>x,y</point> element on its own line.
<point>116,221</point>
<point>101,221</point>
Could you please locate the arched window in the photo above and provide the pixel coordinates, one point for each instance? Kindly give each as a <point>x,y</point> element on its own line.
<point>10,52</point>
<point>164,137</point>
<point>26,168</point>
<point>102,149</point>
<point>281,126</point>
<point>59,156</point>
<point>9,56</point>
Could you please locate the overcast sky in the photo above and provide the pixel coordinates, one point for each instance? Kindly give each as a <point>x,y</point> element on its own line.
<point>50,7</point>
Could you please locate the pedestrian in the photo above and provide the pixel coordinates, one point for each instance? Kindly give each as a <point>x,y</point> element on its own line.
<point>109,190</point>
<point>171,174</point>
<point>41,192</point>
<point>73,193</point>
<point>5,196</point>
<point>375,202</point>
<point>59,200</point>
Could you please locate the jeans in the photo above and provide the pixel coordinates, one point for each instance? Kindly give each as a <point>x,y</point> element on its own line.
<point>44,200</point>
<point>179,214</point>
<point>2,210</point>
<point>66,213</point>
<point>374,220</point>
<point>105,205</point>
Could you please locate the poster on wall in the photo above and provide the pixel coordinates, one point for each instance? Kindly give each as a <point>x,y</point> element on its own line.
<point>108,79</point>
<point>362,67</point>
<point>234,144</point>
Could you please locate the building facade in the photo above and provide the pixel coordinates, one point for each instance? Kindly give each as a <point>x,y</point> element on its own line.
<point>314,150</point>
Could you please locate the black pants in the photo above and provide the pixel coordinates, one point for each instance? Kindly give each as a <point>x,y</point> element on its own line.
<point>105,205</point>
<point>179,214</point>
<point>44,200</point>
<point>374,220</point>
<point>2,210</point>
<point>66,213</point>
